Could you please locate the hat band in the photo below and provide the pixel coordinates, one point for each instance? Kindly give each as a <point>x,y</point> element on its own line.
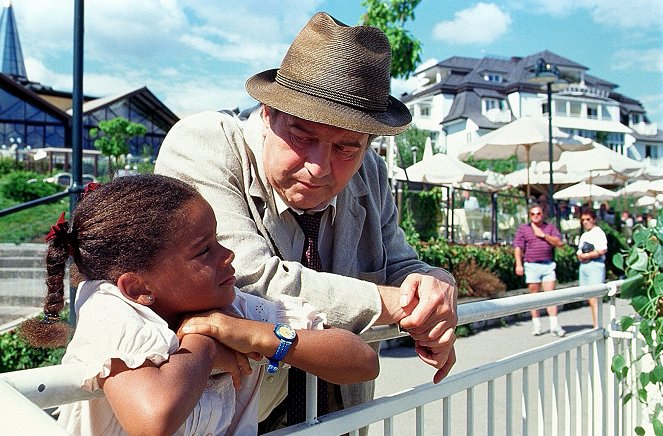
<point>339,97</point>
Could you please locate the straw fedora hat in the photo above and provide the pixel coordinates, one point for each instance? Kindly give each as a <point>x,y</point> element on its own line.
<point>336,75</point>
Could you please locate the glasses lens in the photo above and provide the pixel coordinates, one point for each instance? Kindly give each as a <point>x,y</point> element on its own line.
<point>535,214</point>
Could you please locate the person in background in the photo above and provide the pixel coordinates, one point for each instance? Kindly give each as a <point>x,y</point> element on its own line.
<point>592,248</point>
<point>306,204</point>
<point>533,250</point>
<point>470,202</point>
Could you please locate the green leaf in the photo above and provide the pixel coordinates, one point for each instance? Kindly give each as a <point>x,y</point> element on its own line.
<point>644,379</point>
<point>640,235</point>
<point>658,284</point>
<point>640,260</point>
<point>639,303</point>
<point>651,245</point>
<point>632,286</point>
<point>639,431</point>
<point>658,255</point>
<point>627,398</point>
<point>656,374</point>
<point>626,322</point>
<point>658,427</point>
<point>618,362</point>
<point>642,395</point>
<point>618,261</point>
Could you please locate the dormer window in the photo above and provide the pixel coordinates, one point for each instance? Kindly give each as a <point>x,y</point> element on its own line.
<point>493,77</point>
<point>635,118</point>
<point>493,103</point>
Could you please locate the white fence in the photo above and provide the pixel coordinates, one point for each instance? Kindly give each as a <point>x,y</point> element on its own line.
<point>562,388</point>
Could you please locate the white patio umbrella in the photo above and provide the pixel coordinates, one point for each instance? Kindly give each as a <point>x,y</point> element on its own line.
<point>600,157</point>
<point>649,200</point>
<point>584,190</point>
<point>527,138</point>
<point>442,169</point>
<point>538,177</point>
<point>642,187</point>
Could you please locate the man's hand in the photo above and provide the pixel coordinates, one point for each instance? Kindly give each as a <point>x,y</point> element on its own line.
<point>431,319</point>
<point>520,271</point>
<point>538,232</point>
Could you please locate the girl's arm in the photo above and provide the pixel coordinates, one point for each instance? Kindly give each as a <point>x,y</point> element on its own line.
<point>153,400</point>
<point>335,355</point>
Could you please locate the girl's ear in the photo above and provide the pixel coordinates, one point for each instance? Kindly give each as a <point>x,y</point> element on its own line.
<point>132,287</point>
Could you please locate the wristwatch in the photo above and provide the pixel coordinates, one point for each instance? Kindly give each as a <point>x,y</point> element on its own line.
<point>287,336</point>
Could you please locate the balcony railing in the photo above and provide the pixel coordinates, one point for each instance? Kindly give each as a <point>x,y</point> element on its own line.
<point>581,396</point>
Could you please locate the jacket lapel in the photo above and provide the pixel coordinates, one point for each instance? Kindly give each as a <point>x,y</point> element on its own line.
<point>348,226</point>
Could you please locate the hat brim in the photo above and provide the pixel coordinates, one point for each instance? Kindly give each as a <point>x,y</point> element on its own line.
<point>264,88</point>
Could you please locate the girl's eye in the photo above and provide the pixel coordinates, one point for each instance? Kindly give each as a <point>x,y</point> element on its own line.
<point>203,251</point>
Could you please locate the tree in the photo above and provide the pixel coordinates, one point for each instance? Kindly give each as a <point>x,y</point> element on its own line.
<point>412,140</point>
<point>113,138</point>
<point>390,17</point>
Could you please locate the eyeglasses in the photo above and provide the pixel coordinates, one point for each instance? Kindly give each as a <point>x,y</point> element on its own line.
<point>534,213</point>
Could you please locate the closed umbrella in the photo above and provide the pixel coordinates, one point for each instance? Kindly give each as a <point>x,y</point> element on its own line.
<point>584,190</point>
<point>527,138</point>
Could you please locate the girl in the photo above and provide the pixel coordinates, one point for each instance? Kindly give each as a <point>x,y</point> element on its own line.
<point>147,249</point>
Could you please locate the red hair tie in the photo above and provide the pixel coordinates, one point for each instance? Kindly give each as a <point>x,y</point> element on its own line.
<point>59,229</point>
<point>92,186</point>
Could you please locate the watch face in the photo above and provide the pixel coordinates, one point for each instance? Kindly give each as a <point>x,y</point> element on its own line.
<point>284,331</point>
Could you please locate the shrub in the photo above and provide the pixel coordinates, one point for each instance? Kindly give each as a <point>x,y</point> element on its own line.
<point>498,259</point>
<point>16,354</point>
<point>474,281</point>
<point>24,186</point>
<point>7,165</point>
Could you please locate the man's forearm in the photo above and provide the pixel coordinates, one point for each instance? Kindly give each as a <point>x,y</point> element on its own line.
<point>518,255</point>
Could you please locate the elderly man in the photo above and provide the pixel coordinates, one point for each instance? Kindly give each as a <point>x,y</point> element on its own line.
<point>534,243</point>
<point>305,202</point>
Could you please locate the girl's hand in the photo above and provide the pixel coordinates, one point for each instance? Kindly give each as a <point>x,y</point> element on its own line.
<point>235,333</point>
<point>234,363</point>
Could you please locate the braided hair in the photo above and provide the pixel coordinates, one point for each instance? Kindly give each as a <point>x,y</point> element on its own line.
<point>122,226</point>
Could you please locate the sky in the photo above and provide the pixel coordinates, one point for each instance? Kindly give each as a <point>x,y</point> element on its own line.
<point>195,55</point>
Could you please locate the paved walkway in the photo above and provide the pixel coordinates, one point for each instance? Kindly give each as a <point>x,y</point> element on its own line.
<point>401,369</point>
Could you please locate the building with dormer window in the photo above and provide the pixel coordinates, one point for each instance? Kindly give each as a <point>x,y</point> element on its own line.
<point>460,99</point>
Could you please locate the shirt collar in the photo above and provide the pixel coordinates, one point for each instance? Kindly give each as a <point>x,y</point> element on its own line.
<point>281,206</point>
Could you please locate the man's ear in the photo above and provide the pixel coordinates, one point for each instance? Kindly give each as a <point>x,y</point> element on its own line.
<point>132,287</point>
<point>265,119</point>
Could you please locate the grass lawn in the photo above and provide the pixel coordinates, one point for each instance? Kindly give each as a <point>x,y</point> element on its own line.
<point>30,225</point>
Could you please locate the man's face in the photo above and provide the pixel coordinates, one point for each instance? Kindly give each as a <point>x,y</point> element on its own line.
<point>536,215</point>
<point>308,163</point>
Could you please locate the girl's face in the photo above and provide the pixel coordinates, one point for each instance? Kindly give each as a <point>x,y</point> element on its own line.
<point>194,273</point>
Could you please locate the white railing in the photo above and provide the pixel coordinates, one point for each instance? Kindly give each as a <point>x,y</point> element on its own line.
<point>580,397</point>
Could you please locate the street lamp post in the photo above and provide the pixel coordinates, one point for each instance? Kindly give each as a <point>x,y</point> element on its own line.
<point>548,74</point>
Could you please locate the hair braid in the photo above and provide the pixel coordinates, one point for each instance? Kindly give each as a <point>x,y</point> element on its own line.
<point>116,228</point>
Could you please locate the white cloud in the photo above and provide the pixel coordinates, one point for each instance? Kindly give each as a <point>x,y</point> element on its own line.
<point>634,14</point>
<point>481,24</point>
<point>649,60</point>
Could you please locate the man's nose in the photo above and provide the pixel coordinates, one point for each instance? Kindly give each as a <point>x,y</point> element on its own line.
<point>318,160</point>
